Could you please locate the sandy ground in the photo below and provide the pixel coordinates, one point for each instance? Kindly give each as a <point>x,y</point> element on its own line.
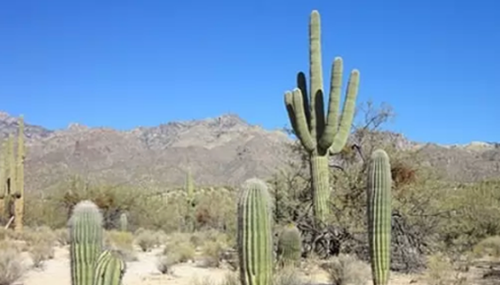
<point>144,272</point>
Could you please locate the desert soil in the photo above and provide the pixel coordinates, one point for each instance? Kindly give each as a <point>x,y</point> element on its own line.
<point>144,272</point>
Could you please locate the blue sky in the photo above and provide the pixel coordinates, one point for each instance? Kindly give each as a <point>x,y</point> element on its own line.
<point>141,63</point>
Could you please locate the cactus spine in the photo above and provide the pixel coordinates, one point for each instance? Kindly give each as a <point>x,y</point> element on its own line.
<point>321,135</point>
<point>86,236</point>
<point>109,269</point>
<point>123,222</point>
<point>289,246</point>
<point>254,233</point>
<point>379,216</point>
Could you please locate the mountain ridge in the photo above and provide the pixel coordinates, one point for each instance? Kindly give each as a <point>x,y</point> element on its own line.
<point>219,150</point>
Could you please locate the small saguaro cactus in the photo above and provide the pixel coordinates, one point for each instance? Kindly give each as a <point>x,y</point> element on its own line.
<point>321,135</point>
<point>255,245</point>
<point>123,222</point>
<point>379,216</point>
<point>289,246</point>
<point>86,239</point>
<point>109,269</point>
<point>190,201</point>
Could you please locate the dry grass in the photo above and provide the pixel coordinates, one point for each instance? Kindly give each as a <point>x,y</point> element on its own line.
<point>41,252</point>
<point>346,270</point>
<point>11,268</point>
<point>440,272</point>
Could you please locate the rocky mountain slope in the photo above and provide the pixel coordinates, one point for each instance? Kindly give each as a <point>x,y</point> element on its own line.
<point>221,150</point>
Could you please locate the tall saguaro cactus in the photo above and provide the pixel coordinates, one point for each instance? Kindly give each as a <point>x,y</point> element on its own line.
<point>12,179</point>
<point>86,238</point>
<point>19,190</point>
<point>319,134</point>
<point>255,246</point>
<point>379,216</point>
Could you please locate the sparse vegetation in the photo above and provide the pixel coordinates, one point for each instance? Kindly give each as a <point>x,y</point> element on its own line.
<point>345,199</point>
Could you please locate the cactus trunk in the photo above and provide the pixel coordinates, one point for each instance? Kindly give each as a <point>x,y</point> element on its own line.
<point>320,182</point>
<point>321,134</point>
<point>86,237</point>
<point>123,222</point>
<point>255,247</point>
<point>109,269</point>
<point>379,216</point>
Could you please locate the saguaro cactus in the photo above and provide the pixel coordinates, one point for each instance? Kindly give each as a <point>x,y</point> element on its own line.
<point>86,237</point>
<point>109,269</point>
<point>19,190</point>
<point>123,222</point>
<point>255,247</point>
<point>379,216</point>
<point>190,204</point>
<point>289,245</point>
<point>319,134</point>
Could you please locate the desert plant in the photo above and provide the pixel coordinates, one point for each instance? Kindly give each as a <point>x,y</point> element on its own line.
<point>146,240</point>
<point>86,237</point>
<point>12,176</point>
<point>346,269</point>
<point>109,269</point>
<point>123,222</point>
<point>379,216</point>
<point>318,134</point>
<point>11,268</point>
<point>289,245</point>
<point>254,233</point>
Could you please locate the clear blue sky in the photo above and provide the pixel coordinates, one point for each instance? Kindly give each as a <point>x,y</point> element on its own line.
<point>130,63</point>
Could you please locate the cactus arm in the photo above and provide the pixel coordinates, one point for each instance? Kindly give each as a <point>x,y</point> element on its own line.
<point>295,100</point>
<point>379,216</point>
<point>347,113</point>
<point>302,85</point>
<point>109,269</point>
<point>316,75</point>
<point>332,122</point>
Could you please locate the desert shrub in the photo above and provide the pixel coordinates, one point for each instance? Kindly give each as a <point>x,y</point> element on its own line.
<point>488,247</point>
<point>62,236</point>
<point>440,271</point>
<point>211,252</point>
<point>473,215</point>
<point>122,243</point>
<point>346,269</point>
<point>146,240</point>
<point>40,252</point>
<point>182,250</point>
<point>11,268</point>
<point>288,276</point>
<point>164,263</point>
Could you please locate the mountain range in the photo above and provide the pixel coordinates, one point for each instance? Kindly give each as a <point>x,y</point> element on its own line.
<point>222,150</point>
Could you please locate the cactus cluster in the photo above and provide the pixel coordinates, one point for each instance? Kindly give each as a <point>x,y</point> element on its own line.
<point>12,179</point>
<point>379,216</point>
<point>89,264</point>
<point>321,134</point>
<point>255,245</point>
